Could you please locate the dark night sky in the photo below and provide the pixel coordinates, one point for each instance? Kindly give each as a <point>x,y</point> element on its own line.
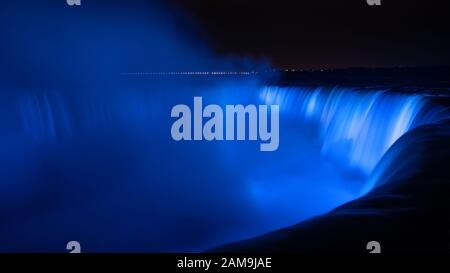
<point>326,33</point>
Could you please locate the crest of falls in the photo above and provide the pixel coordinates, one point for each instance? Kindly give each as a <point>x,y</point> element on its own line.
<point>356,127</point>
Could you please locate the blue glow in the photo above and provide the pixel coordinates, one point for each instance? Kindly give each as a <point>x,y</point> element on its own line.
<point>357,127</point>
<point>86,152</point>
<point>112,164</point>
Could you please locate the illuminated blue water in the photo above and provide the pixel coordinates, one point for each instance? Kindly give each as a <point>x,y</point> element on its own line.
<point>356,127</point>
<point>104,169</point>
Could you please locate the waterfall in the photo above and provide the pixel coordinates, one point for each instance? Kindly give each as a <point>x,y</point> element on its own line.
<point>114,148</point>
<point>356,127</point>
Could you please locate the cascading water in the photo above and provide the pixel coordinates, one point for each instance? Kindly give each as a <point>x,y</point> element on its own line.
<point>356,127</point>
<point>112,156</point>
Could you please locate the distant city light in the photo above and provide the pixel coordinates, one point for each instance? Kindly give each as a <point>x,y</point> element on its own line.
<point>222,73</point>
<point>192,73</point>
